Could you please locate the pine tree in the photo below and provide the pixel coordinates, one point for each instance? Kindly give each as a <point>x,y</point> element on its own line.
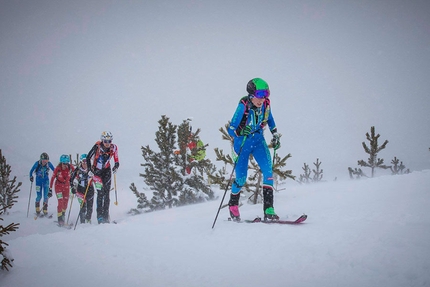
<point>318,173</point>
<point>221,177</point>
<point>357,172</point>
<point>8,196</point>
<point>195,166</point>
<point>8,188</point>
<point>142,200</point>
<point>306,176</point>
<point>279,173</point>
<point>373,161</point>
<point>161,173</point>
<point>398,167</point>
<point>175,176</point>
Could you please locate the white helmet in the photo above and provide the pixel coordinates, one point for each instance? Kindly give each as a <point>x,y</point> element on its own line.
<point>106,136</point>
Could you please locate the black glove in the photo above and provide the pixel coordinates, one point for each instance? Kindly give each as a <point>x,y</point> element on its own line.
<point>73,189</point>
<point>276,143</point>
<point>50,192</point>
<point>31,178</point>
<point>115,168</point>
<point>245,131</point>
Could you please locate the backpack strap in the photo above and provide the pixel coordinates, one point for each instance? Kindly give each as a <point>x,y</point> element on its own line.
<point>266,112</point>
<point>248,104</point>
<point>38,167</point>
<point>98,153</point>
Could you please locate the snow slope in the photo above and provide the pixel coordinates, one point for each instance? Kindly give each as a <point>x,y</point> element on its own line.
<point>372,232</point>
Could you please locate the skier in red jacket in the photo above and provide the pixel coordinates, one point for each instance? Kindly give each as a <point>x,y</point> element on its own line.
<point>61,176</point>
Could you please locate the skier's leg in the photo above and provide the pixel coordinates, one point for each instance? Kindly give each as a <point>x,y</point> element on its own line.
<point>38,196</point>
<point>107,180</point>
<point>90,201</point>
<point>45,190</point>
<point>263,158</point>
<point>241,174</point>
<point>66,193</point>
<point>99,201</point>
<point>59,195</point>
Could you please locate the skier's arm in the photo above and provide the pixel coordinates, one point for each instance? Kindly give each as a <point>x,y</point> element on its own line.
<point>115,159</point>
<point>73,176</point>
<point>275,142</point>
<point>271,123</point>
<point>33,168</point>
<point>236,119</point>
<point>115,154</point>
<point>54,175</point>
<point>89,156</point>
<point>51,166</point>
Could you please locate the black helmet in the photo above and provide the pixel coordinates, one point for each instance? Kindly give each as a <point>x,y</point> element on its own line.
<point>44,156</point>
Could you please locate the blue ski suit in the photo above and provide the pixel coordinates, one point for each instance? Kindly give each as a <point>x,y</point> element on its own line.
<point>42,179</point>
<point>257,118</point>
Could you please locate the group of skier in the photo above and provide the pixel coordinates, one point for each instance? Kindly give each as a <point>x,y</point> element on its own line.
<point>92,174</point>
<point>252,115</point>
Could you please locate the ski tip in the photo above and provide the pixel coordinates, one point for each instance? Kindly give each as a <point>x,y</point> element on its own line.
<point>301,218</point>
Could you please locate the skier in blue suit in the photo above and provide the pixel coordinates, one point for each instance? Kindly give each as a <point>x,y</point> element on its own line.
<point>246,127</point>
<point>41,168</point>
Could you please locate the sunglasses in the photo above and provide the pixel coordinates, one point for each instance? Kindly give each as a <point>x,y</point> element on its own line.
<point>107,141</point>
<point>261,94</point>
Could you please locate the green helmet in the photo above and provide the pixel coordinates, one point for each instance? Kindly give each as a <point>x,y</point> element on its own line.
<point>258,88</point>
<point>44,156</point>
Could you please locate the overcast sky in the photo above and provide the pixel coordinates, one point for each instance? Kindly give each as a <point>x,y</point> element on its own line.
<point>71,69</point>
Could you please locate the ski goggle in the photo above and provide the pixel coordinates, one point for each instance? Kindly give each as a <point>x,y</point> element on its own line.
<point>107,141</point>
<point>261,94</point>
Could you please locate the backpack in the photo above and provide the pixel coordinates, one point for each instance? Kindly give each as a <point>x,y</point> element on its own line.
<point>248,104</point>
<point>39,166</point>
<point>98,153</point>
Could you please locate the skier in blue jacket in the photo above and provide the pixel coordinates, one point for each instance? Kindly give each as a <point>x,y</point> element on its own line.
<point>246,127</point>
<point>41,168</point>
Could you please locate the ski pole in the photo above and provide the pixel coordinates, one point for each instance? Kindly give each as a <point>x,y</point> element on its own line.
<point>274,157</point>
<point>70,209</point>
<point>29,198</point>
<point>274,153</point>
<point>114,183</point>
<point>273,160</point>
<point>229,181</point>
<point>83,201</point>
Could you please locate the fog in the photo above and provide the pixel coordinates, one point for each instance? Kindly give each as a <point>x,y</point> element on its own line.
<point>71,69</point>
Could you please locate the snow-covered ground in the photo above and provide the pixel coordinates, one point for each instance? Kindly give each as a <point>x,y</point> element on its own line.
<point>371,232</point>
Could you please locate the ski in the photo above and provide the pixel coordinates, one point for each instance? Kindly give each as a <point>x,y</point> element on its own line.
<point>300,219</point>
<point>36,216</point>
<point>67,226</point>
